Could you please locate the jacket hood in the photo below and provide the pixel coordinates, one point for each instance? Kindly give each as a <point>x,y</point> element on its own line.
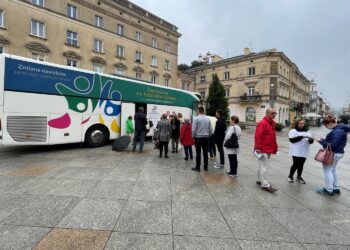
<point>343,127</point>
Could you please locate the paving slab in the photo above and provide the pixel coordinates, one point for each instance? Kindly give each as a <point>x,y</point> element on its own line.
<point>148,190</point>
<point>269,245</point>
<point>112,189</point>
<point>133,241</point>
<point>73,187</point>
<point>69,239</point>
<point>95,214</point>
<point>20,237</point>
<point>199,219</point>
<point>145,217</point>
<point>325,247</point>
<point>199,243</point>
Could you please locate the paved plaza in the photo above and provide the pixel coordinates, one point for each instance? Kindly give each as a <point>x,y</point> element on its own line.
<point>71,197</point>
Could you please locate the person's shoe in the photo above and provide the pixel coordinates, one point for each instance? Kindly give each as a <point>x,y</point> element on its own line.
<point>300,180</point>
<point>191,158</point>
<point>195,169</point>
<point>186,159</point>
<point>258,183</point>
<point>176,151</point>
<point>205,168</point>
<point>160,156</point>
<point>290,179</point>
<point>133,150</point>
<point>336,191</point>
<point>212,158</point>
<point>324,192</point>
<point>166,156</point>
<point>173,151</point>
<point>217,165</point>
<point>269,189</point>
<point>231,175</point>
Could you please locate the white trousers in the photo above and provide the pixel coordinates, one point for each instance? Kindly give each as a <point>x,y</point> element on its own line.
<point>263,168</point>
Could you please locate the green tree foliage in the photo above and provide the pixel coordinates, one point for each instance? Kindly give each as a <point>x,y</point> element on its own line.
<point>183,67</point>
<point>195,64</point>
<point>216,98</point>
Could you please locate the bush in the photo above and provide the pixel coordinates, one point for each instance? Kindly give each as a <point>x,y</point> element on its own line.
<point>279,127</point>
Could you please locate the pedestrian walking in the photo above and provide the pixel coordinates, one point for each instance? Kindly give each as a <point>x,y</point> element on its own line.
<point>336,139</point>
<point>232,152</point>
<point>201,131</point>
<point>130,127</point>
<point>164,135</point>
<point>186,138</point>
<point>219,136</point>
<point>265,146</point>
<point>300,139</point>
<point>140,129</point>
<point>175,133</point>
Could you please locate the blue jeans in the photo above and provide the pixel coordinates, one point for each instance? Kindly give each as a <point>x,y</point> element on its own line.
<point>330,174</point>
<point>139,135</point>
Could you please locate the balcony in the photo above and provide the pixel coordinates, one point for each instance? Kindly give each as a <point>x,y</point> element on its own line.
<point>250,99</point>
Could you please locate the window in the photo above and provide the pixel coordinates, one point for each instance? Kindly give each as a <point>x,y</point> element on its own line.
<point>167,65</point>
<point>120,71</point>
<point>2,49</point>
<point>72,11</point>
<point>72,38</point>
<point>251,71</point>
<point>98,45</point>
<point>38,56</point>
<point>120,51</point>
<point>72,63</point>
<point>226,75</point>
<point>138,57</point>
<point>154,61</point>
<point>138,75</point>
<point>166,82</point>
<point>98,21</point>
<point>120,30</point>
<point>183,85</point>
<point>202,78</point>
<point>37,28</point>
<point>97,68</point>
<point>138,36</point>
<point>154,43</point>
<point>38,2</point>
<point>167,47</point>
<point>153,79</point>
<point>188,86</point>
<point>2,23</point>
<point>202,93</point>
<point>227,93</point>
<point>251,90</point>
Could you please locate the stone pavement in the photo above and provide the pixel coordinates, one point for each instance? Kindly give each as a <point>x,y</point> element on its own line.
<point>69,197</point>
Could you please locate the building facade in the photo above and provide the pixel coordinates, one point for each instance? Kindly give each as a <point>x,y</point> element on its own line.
<point>257,81</point>
<point>109,36</point>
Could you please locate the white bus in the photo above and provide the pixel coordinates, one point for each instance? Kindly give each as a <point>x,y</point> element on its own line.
<point>43,103</point>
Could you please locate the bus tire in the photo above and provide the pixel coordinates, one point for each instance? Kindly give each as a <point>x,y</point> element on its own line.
<point>96,136</point>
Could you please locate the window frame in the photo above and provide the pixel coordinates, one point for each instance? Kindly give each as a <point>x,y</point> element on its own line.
<point>202,79</point>
<point>167,64</point>
<point>33,21</point>
<point>2,18</point>
<point>98,21</point>
<point>72,11</point>
<point>227,75</point>
<point>70,40</point>
<point>37,2</point>
<point>167,47</point>
<point>166,82</point>
<point>227,92</point>
<point>251,71</point>
<point>97,65</point>
<point>72,60</point>
<point>138,56</point>
<point>120,71</point>
<point>138,75</point>
<point>120,29</point>
<point>138,36</point>
<point>154,61</point>
<point>120,51</point>
<point>153,79</point>
<point>43,55</point>
<point>98,45</point>
<point>154,43</point>
<point>202,94</point>
<point>251,91</point>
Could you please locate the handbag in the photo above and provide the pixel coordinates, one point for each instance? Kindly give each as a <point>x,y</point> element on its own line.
<point>325,156</point>
<point>233,141</point>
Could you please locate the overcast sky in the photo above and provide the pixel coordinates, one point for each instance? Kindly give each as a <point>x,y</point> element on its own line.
<point>314,34</point>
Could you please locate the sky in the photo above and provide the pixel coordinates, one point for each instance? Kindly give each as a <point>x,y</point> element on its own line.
<point>314,34</point>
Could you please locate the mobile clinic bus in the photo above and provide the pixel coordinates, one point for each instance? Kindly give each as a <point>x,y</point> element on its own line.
<point>44,103</point>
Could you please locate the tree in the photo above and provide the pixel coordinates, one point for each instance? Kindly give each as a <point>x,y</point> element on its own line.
<point>183,67</point>
<point>195,64</point>
<point>216,98</point>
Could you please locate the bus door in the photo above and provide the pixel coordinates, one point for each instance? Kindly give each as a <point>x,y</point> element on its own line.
<point>127,109</point>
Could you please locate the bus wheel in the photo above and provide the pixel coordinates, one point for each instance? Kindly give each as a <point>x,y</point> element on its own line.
<point>96,136</point>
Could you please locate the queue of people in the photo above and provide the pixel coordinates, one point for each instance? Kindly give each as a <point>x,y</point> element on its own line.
<point>207,136</point>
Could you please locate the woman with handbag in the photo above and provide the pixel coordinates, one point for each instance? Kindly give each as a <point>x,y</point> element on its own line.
<point>231,145</point>
<point>336,142</point>
<point>300,140</point>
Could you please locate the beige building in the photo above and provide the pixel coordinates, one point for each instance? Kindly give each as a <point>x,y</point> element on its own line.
<point>110,36</point>
<point>256,81</point>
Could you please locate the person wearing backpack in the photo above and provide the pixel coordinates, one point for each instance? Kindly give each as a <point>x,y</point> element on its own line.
<point>232,151</point>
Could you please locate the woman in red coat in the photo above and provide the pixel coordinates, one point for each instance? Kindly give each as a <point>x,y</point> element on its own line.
<point>186,138</point>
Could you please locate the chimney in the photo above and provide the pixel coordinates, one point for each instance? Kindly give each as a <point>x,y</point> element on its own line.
<point>246,51</point>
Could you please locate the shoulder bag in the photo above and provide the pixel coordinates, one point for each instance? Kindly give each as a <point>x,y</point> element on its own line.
<point>325,156</point>
<point>233,141</point>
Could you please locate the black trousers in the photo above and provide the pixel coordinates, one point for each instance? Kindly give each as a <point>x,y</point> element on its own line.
<point>201,144</point>
<point>233,163</point>
<point>163,145</point>
<point>220,146</point>
<point>298,164</point>
<point>211,146</point>
<point>188,152</point>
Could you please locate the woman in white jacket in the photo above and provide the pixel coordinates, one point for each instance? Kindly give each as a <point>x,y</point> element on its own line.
<point>232,152</point>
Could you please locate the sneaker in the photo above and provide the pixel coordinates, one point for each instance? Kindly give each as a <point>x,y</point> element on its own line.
<point>231,175</point>
<point>324,191</point>
<point>269,189</point>
<point>258,183</point>
<point>290,179</point>
<point>212,158</point>
<point>195,169</point>
<point>301,180</point>
<point>217,165</point>
<point>186,159</point>
<point>336,191</point>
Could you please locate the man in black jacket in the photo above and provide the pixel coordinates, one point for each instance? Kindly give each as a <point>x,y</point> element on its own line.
<point>219,134</point>
<point>140,129</point>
